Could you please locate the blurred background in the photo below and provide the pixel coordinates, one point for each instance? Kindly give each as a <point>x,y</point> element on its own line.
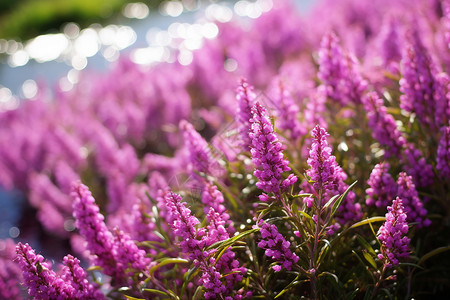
<point>45,40</point>
<point>49,42</point>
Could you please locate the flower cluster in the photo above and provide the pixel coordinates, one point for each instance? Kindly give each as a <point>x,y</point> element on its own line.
<point>246,99</point>
<point>44,283</point>
<point>382,187</point>
<point>267,155</point>
<point>412,204</point>
<point>322,163</point>
<point>193,244</point>
<point>115,253</point>
<point>338,72</point>
<point>443,153</point>
<point>373,100</point>
<point>395,243</point>
<point>383,126</point>
<point>419,81</point>
<point>276,247</point>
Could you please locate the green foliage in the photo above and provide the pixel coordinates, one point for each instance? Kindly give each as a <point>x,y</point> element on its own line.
<point>25,19</point>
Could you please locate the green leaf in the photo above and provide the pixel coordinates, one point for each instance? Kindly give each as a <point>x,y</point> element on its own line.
<point>228,242</point>
<point>368,221</point>
<point>305,215</point>
<point>324,250</point>
<point>330,201</point>
<point>301,196</point>
<point>156,292</point>
<point>411,265</point>
<point>330,274</point>
<point>366,245</point>
<point>432,253</point>
<point>166,261</point>
<point>133,298</point>
<point>339,201</point>
<point>94,268</point>
<point>291,285</point>
<point>365,267</point>
<point>187,278</point>
<point>197,292</point>
<point>352,295</point>
<point>369,259</point>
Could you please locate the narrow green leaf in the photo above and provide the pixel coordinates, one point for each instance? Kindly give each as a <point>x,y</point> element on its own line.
<point>339,201</point>
<point>197,292</point>
<point>330,201</point>
<point>330,274</point>
<point>324,250</point>
<point>166,261</point>
<point>368,221</point>
<point>352,295</point>
<point>156,292</point>
<point>432,253</point>
<point>366,245</point>
<point>291,285</point>
<point>411,265</point>
<point>365,267</point>
<point>369,259</point>
<point>228,242</point>
<point>133,298</point>
<point>305,215</point>
<point>94,268</point>
<point>187,278</point>
<point>301,196</point>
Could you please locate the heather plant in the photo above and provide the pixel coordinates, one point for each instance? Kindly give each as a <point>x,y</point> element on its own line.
<point>317,168</point>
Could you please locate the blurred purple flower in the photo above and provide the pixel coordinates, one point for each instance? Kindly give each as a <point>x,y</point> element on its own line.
<point>413,206</point>
<point>443,153</point>
<point>382,187</point>
<point>246,99</point>
<point>383,126</point>
<point>419,81</point>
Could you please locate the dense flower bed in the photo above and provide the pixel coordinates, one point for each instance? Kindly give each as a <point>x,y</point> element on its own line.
<point>318,168</point>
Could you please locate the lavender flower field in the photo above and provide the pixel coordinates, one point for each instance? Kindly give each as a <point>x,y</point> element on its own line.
<point>297,156</point>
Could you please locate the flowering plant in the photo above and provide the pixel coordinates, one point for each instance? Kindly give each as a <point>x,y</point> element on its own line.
<point>319,168</point>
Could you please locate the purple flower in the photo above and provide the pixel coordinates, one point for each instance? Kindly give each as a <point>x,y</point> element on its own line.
<point>267,154</point>
<point>213,198</point>
<point>383,126</point>
<point>390,42</point>
<point>329,178</point>
<point>412,204</point>
<point>443,153</point>
<point>10,273</point>
<point>91,225</point>
<point>416,166</point>
<point>382,187</point>
<point>77,278</point>
<point>276,247</point>
<point>392,235</point>
<point>193,241</point>
<point>287,111</point>
<point>419,81</point>
<point>442,116</point>
<point>184,226</point>
<point>200,159</point>
<point>114,253</point>
<point>338,72</point>
<point>446,21</point>
<point>322,163</point>
<point>246,99</point>
<point>128,254</point>
<point>40,279</point>
<point>227,262</point>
